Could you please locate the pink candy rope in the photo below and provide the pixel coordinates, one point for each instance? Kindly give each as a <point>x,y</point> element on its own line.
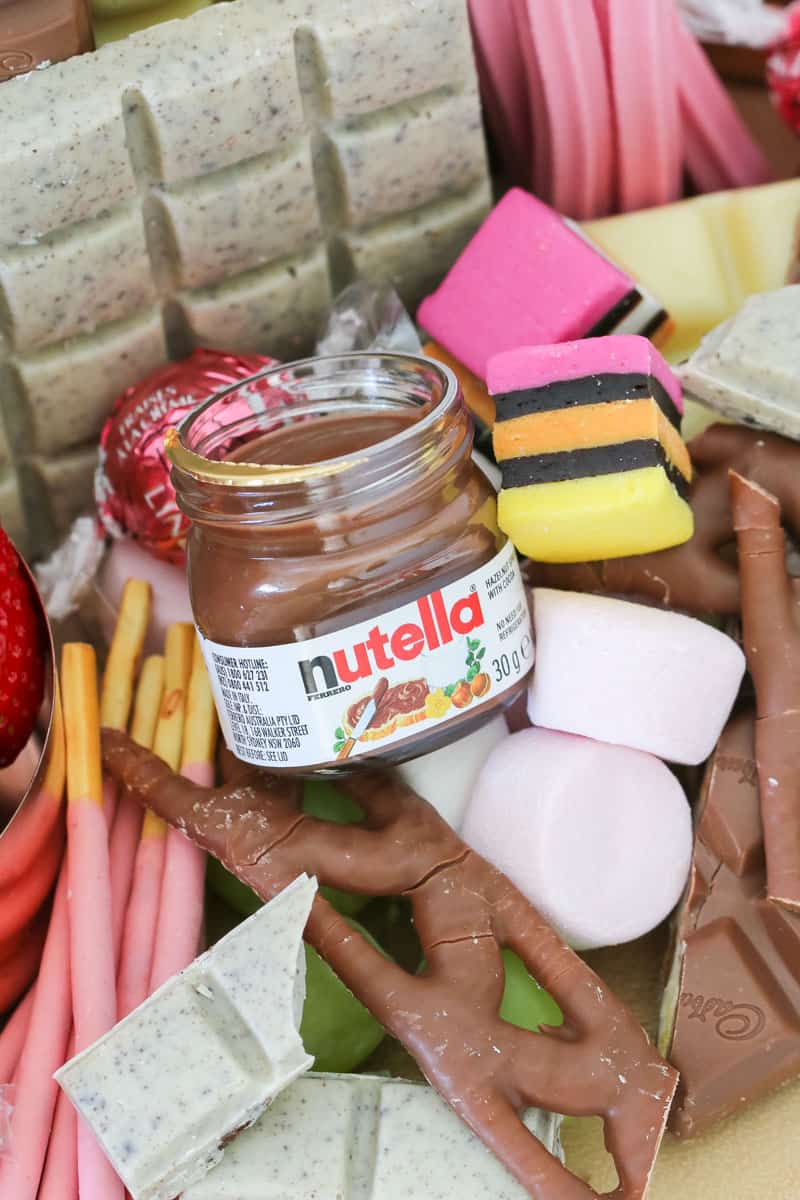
<point>720,153</point>
<point>504,89</point>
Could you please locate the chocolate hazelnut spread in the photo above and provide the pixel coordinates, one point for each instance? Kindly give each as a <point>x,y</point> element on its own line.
<point>341,536</point>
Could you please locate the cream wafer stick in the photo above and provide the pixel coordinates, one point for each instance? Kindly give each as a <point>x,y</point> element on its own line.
<point>91,941</point>
<point>180,918</point>
<point>141,918</point>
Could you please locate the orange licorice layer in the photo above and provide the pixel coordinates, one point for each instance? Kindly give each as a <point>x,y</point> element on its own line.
<point>474,390</point>
<point>590,425</point>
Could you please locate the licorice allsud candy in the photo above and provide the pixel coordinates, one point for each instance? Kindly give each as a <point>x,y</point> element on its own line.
<point>587,435</point>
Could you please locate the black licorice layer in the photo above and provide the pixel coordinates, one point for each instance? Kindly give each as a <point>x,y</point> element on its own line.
<point>609,322</point>
<point>589,389</point>
<point>596,460</point>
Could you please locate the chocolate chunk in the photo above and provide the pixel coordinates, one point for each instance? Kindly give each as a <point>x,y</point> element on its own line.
<point>40,31</point>
<point>734,1029</point>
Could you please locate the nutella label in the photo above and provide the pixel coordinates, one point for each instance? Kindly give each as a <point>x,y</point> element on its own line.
<point>379,682</point>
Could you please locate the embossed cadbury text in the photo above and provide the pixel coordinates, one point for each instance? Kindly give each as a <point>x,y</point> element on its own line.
<point>733,1022</point>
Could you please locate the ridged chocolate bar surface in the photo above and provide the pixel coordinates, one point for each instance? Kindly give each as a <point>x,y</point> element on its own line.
<point>214,181</point>
<point>733,1002</point>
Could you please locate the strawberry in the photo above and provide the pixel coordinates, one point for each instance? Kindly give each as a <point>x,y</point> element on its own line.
<point>21,657</point>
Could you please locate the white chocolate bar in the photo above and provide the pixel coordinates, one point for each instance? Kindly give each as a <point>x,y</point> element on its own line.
<point>202,1057</point>
<point>749,367</point>
<point>214,181</point>
<point>358,1137</point>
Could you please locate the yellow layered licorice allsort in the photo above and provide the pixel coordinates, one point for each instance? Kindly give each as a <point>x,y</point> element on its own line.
<point>603,516</point>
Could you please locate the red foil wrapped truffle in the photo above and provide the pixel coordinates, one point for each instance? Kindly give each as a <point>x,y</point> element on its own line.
<point>133,491</point>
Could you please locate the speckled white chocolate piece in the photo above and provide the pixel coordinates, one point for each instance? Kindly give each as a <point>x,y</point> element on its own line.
<point>748,368</point>
<point>203,1057</point>
<point>213,181</point>
<point>358,1137</point>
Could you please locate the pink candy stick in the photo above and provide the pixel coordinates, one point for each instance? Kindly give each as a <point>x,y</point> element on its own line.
<point>640,52</point>
<point>60,1176</point>
<point>720,153</point>
<point>43,1053</point>
<point>504,88</point>
<point>180,919</point>
<point>573,164</point>
<point>141,918</point>
<point>91,942</point>
<point>12,1038</point>
<point>122,853</point>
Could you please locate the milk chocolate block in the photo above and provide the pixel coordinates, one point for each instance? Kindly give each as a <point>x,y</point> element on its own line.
<point>749,367</point>
<point>358,1137</point>
<point>730,1017</point>
<point>213,181</point>
<point>36,32</point>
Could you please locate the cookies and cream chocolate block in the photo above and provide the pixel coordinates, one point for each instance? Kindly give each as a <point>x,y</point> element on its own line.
<point>587,435</point>
<point>358,1137</point>
<point>749,367</point>
<point>202,1058</point>
<point>215,180</point>
<point>529,278</point>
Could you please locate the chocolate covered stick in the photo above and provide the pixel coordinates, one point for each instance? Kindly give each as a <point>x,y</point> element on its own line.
<point>600,1062</point>
<point>771,628</point>
<point>694,576</point>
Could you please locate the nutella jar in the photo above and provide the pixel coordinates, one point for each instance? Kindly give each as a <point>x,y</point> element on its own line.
<point>353,595</point>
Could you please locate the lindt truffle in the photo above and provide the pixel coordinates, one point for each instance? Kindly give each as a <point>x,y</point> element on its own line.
<point>465,911</point>
<point>133,492</point>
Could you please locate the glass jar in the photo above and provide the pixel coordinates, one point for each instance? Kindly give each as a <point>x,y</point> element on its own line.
<point>353,595</point>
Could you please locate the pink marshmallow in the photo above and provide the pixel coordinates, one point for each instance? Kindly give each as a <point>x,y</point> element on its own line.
<point>617,354</point>
<point>598,837</point>
<point>127,560</point>
<point>526,279</point>
<point>632,675</point>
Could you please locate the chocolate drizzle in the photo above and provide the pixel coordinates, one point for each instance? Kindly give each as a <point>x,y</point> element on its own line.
<point>599,1062</point>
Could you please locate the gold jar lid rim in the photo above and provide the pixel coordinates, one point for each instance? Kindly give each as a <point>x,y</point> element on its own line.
<point>243,474</point>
